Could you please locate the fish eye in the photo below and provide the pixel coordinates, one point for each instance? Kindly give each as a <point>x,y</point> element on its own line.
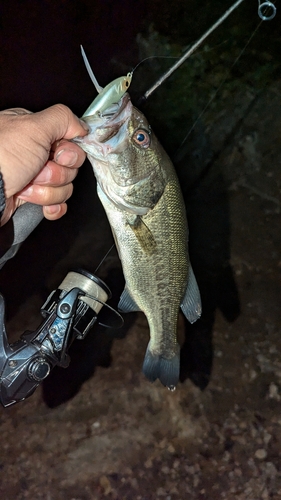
<point>142,138</point>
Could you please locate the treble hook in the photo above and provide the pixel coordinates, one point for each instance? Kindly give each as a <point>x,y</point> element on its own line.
<point>262,10</point>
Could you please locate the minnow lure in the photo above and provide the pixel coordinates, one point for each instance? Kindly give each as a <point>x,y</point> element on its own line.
<point>111,94</point>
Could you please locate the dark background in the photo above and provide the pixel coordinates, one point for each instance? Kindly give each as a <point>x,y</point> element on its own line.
<point>121,437</point>
<point>41,64</point>
<point>40,57</point>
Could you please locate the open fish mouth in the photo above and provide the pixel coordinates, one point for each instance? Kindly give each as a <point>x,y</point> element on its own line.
<point>108,130</point>
<point>112,112</point>
<point>117,109</point>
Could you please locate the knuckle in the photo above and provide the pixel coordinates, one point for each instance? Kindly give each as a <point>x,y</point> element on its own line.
<point>62,107</point>
<point>59,109</point>
<point>47,195</point>
<point>69,191</point>
<point>63,176</point>
<point>62,111</point>
<point>67,176</point>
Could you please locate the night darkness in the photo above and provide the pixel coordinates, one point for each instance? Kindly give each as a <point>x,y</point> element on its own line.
<point>41,62</point>
<point>112,433</point>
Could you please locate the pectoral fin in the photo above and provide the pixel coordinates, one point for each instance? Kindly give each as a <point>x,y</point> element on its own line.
<point>144,235</point>
<point>191,304</point>
<point>127,303</point>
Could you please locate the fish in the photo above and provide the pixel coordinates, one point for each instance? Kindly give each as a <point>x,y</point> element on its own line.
<point>140,192</point>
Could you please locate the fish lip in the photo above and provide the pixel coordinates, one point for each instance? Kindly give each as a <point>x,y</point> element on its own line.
<point>114,121</point>
<point>110,125</point>
<point>111,112</point>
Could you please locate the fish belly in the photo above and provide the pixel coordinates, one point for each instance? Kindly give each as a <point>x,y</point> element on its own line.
<point>154,256</point>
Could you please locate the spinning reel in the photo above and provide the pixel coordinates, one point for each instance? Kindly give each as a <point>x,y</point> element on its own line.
<point>69,313</point>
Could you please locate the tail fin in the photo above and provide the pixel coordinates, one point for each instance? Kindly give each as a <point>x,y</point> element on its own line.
<point>167,370</point>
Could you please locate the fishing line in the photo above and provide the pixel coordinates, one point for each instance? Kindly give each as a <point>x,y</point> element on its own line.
<point>262,12</point>
<point>209,49</point>
<point>267,6</point>
<point>103,259</point>
<point>153,57</point>
<point>218,89</point>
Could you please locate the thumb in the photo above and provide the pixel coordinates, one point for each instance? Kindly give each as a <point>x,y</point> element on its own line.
<point>59,122</point>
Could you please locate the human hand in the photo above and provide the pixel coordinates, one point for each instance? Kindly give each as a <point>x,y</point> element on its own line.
<point>37,161</point>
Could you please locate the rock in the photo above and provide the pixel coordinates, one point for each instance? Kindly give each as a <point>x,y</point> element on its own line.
<point>261,454</point>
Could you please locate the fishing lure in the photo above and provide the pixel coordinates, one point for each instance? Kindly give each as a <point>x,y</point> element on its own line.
<point>111,94</point>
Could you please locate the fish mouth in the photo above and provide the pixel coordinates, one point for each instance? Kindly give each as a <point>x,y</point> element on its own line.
<point>118,108</point>
<point>115,109</point>
<point>111,113</point>
<point>108,131</point>
<point>115,116</point>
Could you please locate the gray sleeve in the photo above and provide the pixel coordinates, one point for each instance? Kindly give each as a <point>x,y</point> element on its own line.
<point>17,229</point>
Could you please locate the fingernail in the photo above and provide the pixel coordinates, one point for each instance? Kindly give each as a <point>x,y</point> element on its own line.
<point>45,175</point>
<point>66,158</point>
<point>53,209</point>
<point>26,192</point>
<point>84,125</point>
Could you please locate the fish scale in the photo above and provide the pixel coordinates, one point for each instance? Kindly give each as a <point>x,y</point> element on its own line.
<point>140,192</point>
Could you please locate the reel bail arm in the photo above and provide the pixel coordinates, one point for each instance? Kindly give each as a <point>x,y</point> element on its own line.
<point>69,313</point>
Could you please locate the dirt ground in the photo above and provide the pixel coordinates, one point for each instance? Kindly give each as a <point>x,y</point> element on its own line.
<point>120,437</point>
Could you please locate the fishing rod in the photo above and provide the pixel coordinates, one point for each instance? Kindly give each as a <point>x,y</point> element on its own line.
<point>263,10</point>
<point>115,90</point>
<point>266,12</point>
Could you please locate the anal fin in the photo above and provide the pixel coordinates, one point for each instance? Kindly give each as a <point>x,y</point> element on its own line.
<point>127,303</point>
<point>191,304</point>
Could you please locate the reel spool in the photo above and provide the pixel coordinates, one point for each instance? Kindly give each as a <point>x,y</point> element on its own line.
<point>93,298</point>
<point>96,291</point>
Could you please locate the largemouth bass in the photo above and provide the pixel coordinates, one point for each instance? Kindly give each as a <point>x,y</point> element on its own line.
<point>140,192</point>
